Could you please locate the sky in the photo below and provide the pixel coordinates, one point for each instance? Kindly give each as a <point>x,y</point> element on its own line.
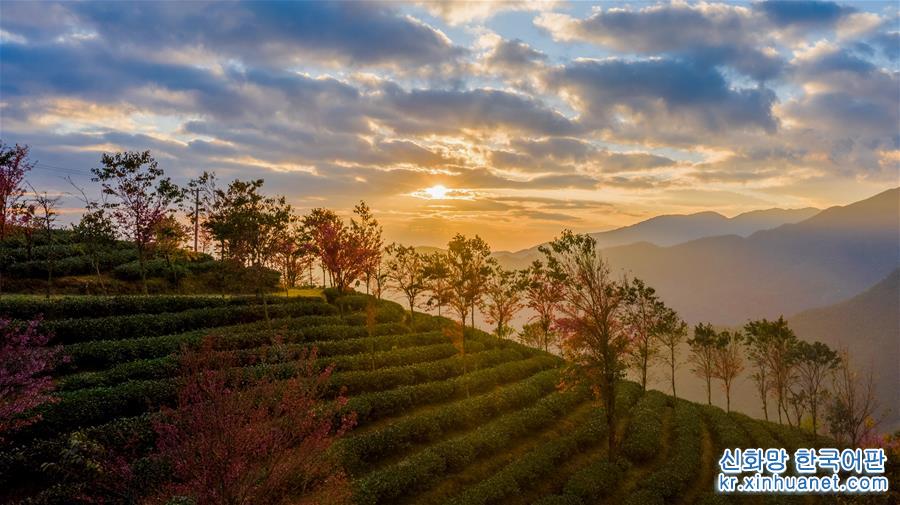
<point>512,120</point>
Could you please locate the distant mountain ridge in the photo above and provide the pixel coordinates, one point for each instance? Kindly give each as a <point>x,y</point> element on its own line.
<point>672,229</point>
<point>827,258</point>
<point>831,256</point>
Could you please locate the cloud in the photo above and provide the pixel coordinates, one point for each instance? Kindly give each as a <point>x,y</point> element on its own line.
<point>662,100</point>
<point>706,34</point>
<point>810,13</point>
<point>457,12</point>
<point>275,33</point>
<point>424,111</point>
<point>562,154</point>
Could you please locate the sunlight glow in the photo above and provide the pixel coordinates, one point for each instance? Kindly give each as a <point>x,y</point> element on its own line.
<point>436,192</point>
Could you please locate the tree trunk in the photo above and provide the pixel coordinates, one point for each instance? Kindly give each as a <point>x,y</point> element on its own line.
<point>644,374</point>
<point>99,277</point>
<point>813,412</point>
<point>727,397</point>
<point>143,268</point>
<point>610,404</point>
<point>675,396</point>
<point>462,337</point>
<point>708,390</point>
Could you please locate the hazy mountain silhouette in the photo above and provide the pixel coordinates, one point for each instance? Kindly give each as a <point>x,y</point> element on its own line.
<point>819,261</point>
<point>868,325</point>
<point>674,229</point>
<point>833,255</point>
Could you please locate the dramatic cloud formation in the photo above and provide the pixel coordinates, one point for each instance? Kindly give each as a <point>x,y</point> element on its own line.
<point>481,117</point>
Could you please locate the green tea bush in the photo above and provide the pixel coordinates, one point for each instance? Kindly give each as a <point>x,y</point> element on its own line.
<point>726,431</point>
<point>596,479</point>
<point>526,469</point>
<point>69,331</point>
<point>362,450</point>
<point>371,406</point>
<point>104,353</point>
<point>644,433</point>
<point>167,366</point>
<point>29,307</point>
<point>683,461</point>
<point>427,466</point>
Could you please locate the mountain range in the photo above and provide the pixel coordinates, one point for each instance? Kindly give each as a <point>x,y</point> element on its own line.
<point>823,259</point>
<point>672,229</point>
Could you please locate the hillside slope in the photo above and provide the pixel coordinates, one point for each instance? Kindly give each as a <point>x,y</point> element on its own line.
<point>869,326</point>
<point>427,432</point>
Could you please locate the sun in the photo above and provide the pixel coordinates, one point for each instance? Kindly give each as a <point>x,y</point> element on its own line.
<point>437,192</point>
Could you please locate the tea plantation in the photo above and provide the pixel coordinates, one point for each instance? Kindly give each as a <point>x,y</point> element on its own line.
<point>427,433</point>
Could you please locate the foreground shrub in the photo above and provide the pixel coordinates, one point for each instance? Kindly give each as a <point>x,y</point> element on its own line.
<point>269,441</point>
<point>25,363</point>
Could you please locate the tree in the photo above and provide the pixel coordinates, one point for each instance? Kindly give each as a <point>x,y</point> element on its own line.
<point>142,196</point>
<point>853,409</point>
<point>367,236</point>
<point>405,271</point>
<point>25,381</point>
<point>703,352</point>
<point>543,293</point>
<point>672,333</point>
<point>591,320</point>
<point>325,229</point>
<point>293,255</point>
<point>95,233</point>
<point>46,214</point>
<point>468,266</point>
<point>348,253</point>
<point>14,164</point>
<point>644,320</point>
<point>815,363</point>
<point>265,442</point>
<point>503,298</point>
<point>437,279</point>
<point>772,346</point>
<point>728,361</point>
<point>250,227</point>
<point>168,236</point>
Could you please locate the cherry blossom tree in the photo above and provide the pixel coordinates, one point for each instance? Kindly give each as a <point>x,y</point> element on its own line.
<point>268,441</point>
<point>14,164</point>
<point>25,382</point>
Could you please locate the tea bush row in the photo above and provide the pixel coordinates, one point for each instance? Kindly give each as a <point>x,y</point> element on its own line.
<point>362,450</point>
<point>644,433</point>
<point>72,330</point>
<point>424,468</point>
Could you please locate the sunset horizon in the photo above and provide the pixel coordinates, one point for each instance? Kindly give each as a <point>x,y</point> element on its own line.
<point>534,117</point>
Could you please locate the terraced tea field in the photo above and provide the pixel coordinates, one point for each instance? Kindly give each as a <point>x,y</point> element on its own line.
<point>427,433</point>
